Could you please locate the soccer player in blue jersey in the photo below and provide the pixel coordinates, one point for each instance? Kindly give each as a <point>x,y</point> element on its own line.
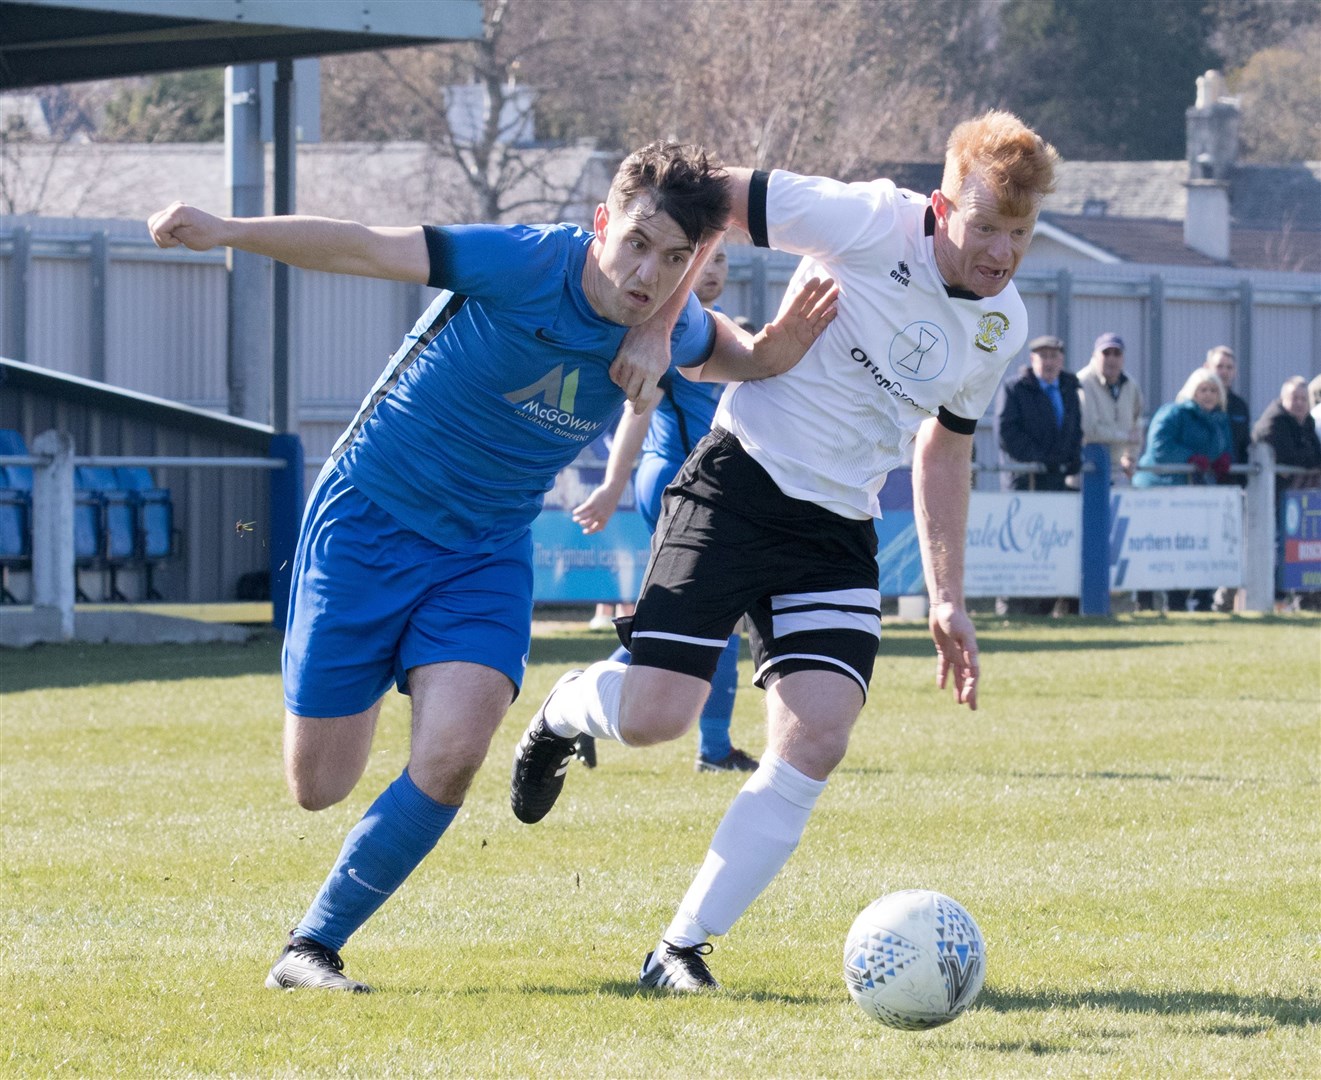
<point>414,561</point>
<point>666,436</point>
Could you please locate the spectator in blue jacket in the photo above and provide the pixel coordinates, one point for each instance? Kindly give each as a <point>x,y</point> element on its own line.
<point>1191,430</point>
<point>1040,419</point>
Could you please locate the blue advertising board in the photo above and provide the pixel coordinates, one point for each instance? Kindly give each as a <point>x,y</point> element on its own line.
<point>1300,529</point>
<point>569,567</point>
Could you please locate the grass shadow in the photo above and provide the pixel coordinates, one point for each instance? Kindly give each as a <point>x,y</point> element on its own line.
<point>990,645</point>
<point>54,667</point>
<point>1290,1011</point>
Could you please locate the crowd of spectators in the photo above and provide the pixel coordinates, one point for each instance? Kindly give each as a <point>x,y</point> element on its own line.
<point>1046,414</point>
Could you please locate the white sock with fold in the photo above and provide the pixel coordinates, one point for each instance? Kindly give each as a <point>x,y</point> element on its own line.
<point>590,704</point>
<point>754,840</point>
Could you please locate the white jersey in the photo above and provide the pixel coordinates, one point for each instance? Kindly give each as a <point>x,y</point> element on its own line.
<point>903,348</point>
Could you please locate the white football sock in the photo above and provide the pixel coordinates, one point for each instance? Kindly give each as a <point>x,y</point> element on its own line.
<point>755,838</point>
<point>590,704</point>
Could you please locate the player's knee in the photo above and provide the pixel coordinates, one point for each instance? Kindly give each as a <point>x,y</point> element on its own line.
<point>445,778</point>
<point>316,792</point>
<point>657,705</point>
<point>325,758</point>
<point>652,723</point>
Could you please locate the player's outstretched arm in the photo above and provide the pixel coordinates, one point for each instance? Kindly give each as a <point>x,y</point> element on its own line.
<point>775,348</point>
<point>595,510</point>
<point>942,475</point>
<point>311,243</point>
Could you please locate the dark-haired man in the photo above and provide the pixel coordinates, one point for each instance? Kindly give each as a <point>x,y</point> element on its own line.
<point>414,562</point>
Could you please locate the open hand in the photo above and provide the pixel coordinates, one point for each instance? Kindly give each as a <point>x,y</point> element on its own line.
<point>956,651</point>
<point>595,510</point>
<point>780,344</point>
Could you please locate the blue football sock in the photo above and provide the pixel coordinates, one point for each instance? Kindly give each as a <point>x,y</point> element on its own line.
<point>713,728</point>
<point>395,834</point>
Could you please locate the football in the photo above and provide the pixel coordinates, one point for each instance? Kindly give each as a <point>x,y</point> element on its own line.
<point>914,959</point>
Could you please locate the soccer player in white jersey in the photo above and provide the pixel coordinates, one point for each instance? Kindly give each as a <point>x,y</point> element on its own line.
<point>772,513</point>
<point>414,560</point>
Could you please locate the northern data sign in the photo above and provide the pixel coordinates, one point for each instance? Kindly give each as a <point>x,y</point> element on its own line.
<point>1176,537</point>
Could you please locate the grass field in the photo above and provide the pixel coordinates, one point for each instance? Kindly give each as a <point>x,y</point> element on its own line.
<point>1133,817</point>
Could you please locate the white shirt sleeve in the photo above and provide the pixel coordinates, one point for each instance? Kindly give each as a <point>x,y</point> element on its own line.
<point>820,217</point>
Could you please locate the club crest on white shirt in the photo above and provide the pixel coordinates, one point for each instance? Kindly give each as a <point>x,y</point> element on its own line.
<point>991,327</point>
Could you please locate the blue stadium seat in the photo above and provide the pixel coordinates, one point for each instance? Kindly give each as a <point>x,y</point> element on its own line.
<point>15,532</point>
<point>15,513</point>
<point>13,443</point>
<point>102,525</point>
<point>154,521</point>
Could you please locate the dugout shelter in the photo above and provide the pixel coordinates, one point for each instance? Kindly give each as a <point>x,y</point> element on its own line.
<point>44,42</point>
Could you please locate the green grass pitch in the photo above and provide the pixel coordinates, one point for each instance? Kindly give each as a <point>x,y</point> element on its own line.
<point>1132,816</point>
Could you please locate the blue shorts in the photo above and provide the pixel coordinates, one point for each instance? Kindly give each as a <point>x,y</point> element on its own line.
<point>372,599</point>
<point>652,477</point>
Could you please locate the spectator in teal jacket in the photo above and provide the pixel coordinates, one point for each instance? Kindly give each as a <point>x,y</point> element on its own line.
<point>1193,430</point>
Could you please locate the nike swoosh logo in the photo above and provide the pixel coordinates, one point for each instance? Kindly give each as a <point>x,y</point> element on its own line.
<point>542,335</point>
<point>354,875</point>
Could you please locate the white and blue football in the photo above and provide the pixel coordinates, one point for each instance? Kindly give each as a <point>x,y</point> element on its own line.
<point>914,959</point>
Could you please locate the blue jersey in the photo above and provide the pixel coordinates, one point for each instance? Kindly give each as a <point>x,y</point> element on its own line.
<point>500,384</point>
<point>683,416</point>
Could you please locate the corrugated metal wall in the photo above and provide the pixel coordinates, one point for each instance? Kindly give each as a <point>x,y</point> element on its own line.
<point>165,320</point>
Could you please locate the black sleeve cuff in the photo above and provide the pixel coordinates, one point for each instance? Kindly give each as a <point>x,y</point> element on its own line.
<point>757,207</point>
<point>961,425</point>
<point>439,252</point>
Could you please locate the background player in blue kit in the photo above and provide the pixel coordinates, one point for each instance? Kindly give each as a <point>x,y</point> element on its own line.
<point>666,436</point>
<point>771,516</point>
<point>414,561</point>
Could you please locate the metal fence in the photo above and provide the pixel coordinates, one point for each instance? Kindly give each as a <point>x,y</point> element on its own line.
<point>98,300</point>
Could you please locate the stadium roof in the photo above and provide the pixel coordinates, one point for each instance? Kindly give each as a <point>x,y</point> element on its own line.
<point>59,41</point>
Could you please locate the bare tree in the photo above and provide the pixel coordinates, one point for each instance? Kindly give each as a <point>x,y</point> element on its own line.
<point>813,85</point>
<point>31,177</point>
<point>469,103</point>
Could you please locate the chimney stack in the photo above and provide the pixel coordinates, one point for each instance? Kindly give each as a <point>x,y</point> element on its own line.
<point>1212,148</point>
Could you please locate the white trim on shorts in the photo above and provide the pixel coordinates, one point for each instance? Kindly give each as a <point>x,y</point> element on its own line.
<point>868,598</point>
<point>795,613</point>
<point>769,665</point>
<point>686,639</point>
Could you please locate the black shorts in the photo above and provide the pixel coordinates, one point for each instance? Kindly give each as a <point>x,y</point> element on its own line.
<point>730,543</point>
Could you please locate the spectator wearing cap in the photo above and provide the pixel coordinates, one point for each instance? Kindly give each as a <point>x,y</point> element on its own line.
<point>1112,406</point>
<point>1039,420</point>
